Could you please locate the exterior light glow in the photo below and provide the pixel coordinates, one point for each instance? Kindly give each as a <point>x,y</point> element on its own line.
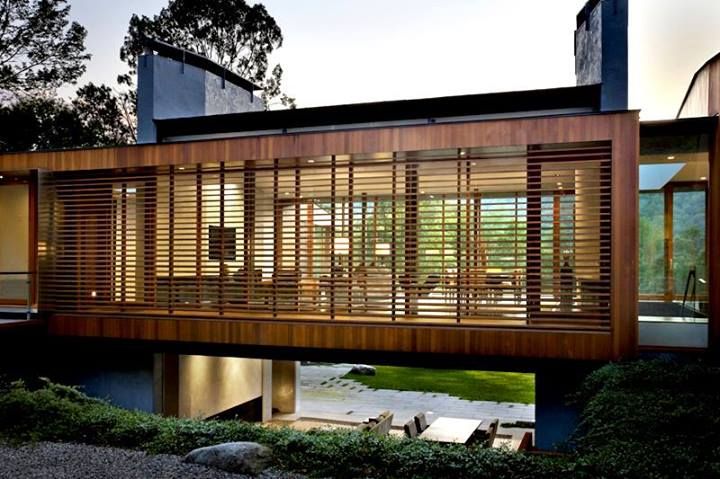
<point>93,294</point>
<point>671,157</point>
<point>703,178</point>
<point>311,161</point>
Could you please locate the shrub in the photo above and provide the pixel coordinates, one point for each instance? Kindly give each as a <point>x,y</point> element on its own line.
<point>650,419</point>
<point>641,419</point>
<point>50,412</point>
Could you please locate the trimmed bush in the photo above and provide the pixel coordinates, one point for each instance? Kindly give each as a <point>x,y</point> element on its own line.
<point>52,412</point>
<point>650,419</point>
<point>641,419</point>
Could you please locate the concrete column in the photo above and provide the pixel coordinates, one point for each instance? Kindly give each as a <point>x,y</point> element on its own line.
<point>285,386</point>
<point>267,383</point>
<point>166,384</point>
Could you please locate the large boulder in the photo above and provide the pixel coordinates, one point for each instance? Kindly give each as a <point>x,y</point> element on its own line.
<point>363,369</point>
<point>238,457</point>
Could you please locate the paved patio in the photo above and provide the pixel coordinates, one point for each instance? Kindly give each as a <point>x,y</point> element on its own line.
<point>325,395</point>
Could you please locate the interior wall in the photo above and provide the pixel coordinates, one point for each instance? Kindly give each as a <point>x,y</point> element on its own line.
<point>185,221</point>
<point>14,210</point>
<point>210,385</point>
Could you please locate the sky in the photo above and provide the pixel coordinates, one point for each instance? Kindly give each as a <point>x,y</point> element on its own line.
<point>349,51</point>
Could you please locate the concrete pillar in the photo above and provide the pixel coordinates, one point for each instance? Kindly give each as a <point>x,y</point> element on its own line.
<point>285,386</point>
<point>267,371</point>
<point>166,384</point>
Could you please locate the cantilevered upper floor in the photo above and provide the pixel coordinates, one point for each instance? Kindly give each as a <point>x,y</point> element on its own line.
<point>510,236</point>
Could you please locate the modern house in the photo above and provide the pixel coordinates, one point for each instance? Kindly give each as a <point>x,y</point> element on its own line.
<point>538,230</point>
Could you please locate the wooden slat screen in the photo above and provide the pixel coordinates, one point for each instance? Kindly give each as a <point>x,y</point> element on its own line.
<point>517,236</point>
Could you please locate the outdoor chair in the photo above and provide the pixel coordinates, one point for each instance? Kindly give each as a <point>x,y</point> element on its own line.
<point>384,423</point>
<point>379,425</point>
<point>492,432</point>
<point>410,428</point>
<point>526,442</point>
<point>420,422</point>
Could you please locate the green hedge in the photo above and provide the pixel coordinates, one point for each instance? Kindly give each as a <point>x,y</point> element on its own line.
<point>642,419</point>
<point>650,419</point>
<point>51,412</point>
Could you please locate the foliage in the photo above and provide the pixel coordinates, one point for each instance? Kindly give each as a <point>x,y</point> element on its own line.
<point>39,52</point>
<point>650,419</point>
<point>238,36</point>
<point>108,117</point>
<point>470,385</point>
<point>642,419</point>
<point>688,232</point>
<point>38,123</point>
<point>96,117</point>
<point>39,48</point>
<point>59,413</point>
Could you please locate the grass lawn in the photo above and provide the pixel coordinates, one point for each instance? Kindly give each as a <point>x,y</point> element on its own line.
<point>471,385</point>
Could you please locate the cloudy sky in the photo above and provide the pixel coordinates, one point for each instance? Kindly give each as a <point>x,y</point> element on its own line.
<point>347,51</point>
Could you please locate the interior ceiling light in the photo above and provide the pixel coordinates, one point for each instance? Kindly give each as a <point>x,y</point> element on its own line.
<point>311,161</point>
<point>703,178</point>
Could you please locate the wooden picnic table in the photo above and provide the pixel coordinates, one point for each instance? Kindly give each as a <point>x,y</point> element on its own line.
<point>451,429</point>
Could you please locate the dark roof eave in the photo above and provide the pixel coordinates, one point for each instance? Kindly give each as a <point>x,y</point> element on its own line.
<point>397,110</point>
<point>678,127</point>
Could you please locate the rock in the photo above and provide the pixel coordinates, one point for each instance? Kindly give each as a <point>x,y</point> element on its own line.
<point>363,369</point>
<point>238,457</point>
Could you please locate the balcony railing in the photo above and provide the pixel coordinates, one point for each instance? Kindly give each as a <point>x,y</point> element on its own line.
<point>16,291</point>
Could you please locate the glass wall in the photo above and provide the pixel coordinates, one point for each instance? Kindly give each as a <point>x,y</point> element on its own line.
<point>672,222</point>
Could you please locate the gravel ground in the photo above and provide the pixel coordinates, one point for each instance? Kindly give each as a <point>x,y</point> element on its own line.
<point>66,461</point>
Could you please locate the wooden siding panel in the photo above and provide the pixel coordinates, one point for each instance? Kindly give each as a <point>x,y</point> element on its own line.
<point>390,338</point>
<point>624,239</point>
<point>509,132</point>
<point>713,241</point>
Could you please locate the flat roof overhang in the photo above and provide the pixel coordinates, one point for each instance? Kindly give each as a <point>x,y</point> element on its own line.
<point>548,129</point>
<point>575,99</point>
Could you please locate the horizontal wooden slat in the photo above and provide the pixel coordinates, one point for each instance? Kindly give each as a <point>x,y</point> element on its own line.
<point>515,234</point>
